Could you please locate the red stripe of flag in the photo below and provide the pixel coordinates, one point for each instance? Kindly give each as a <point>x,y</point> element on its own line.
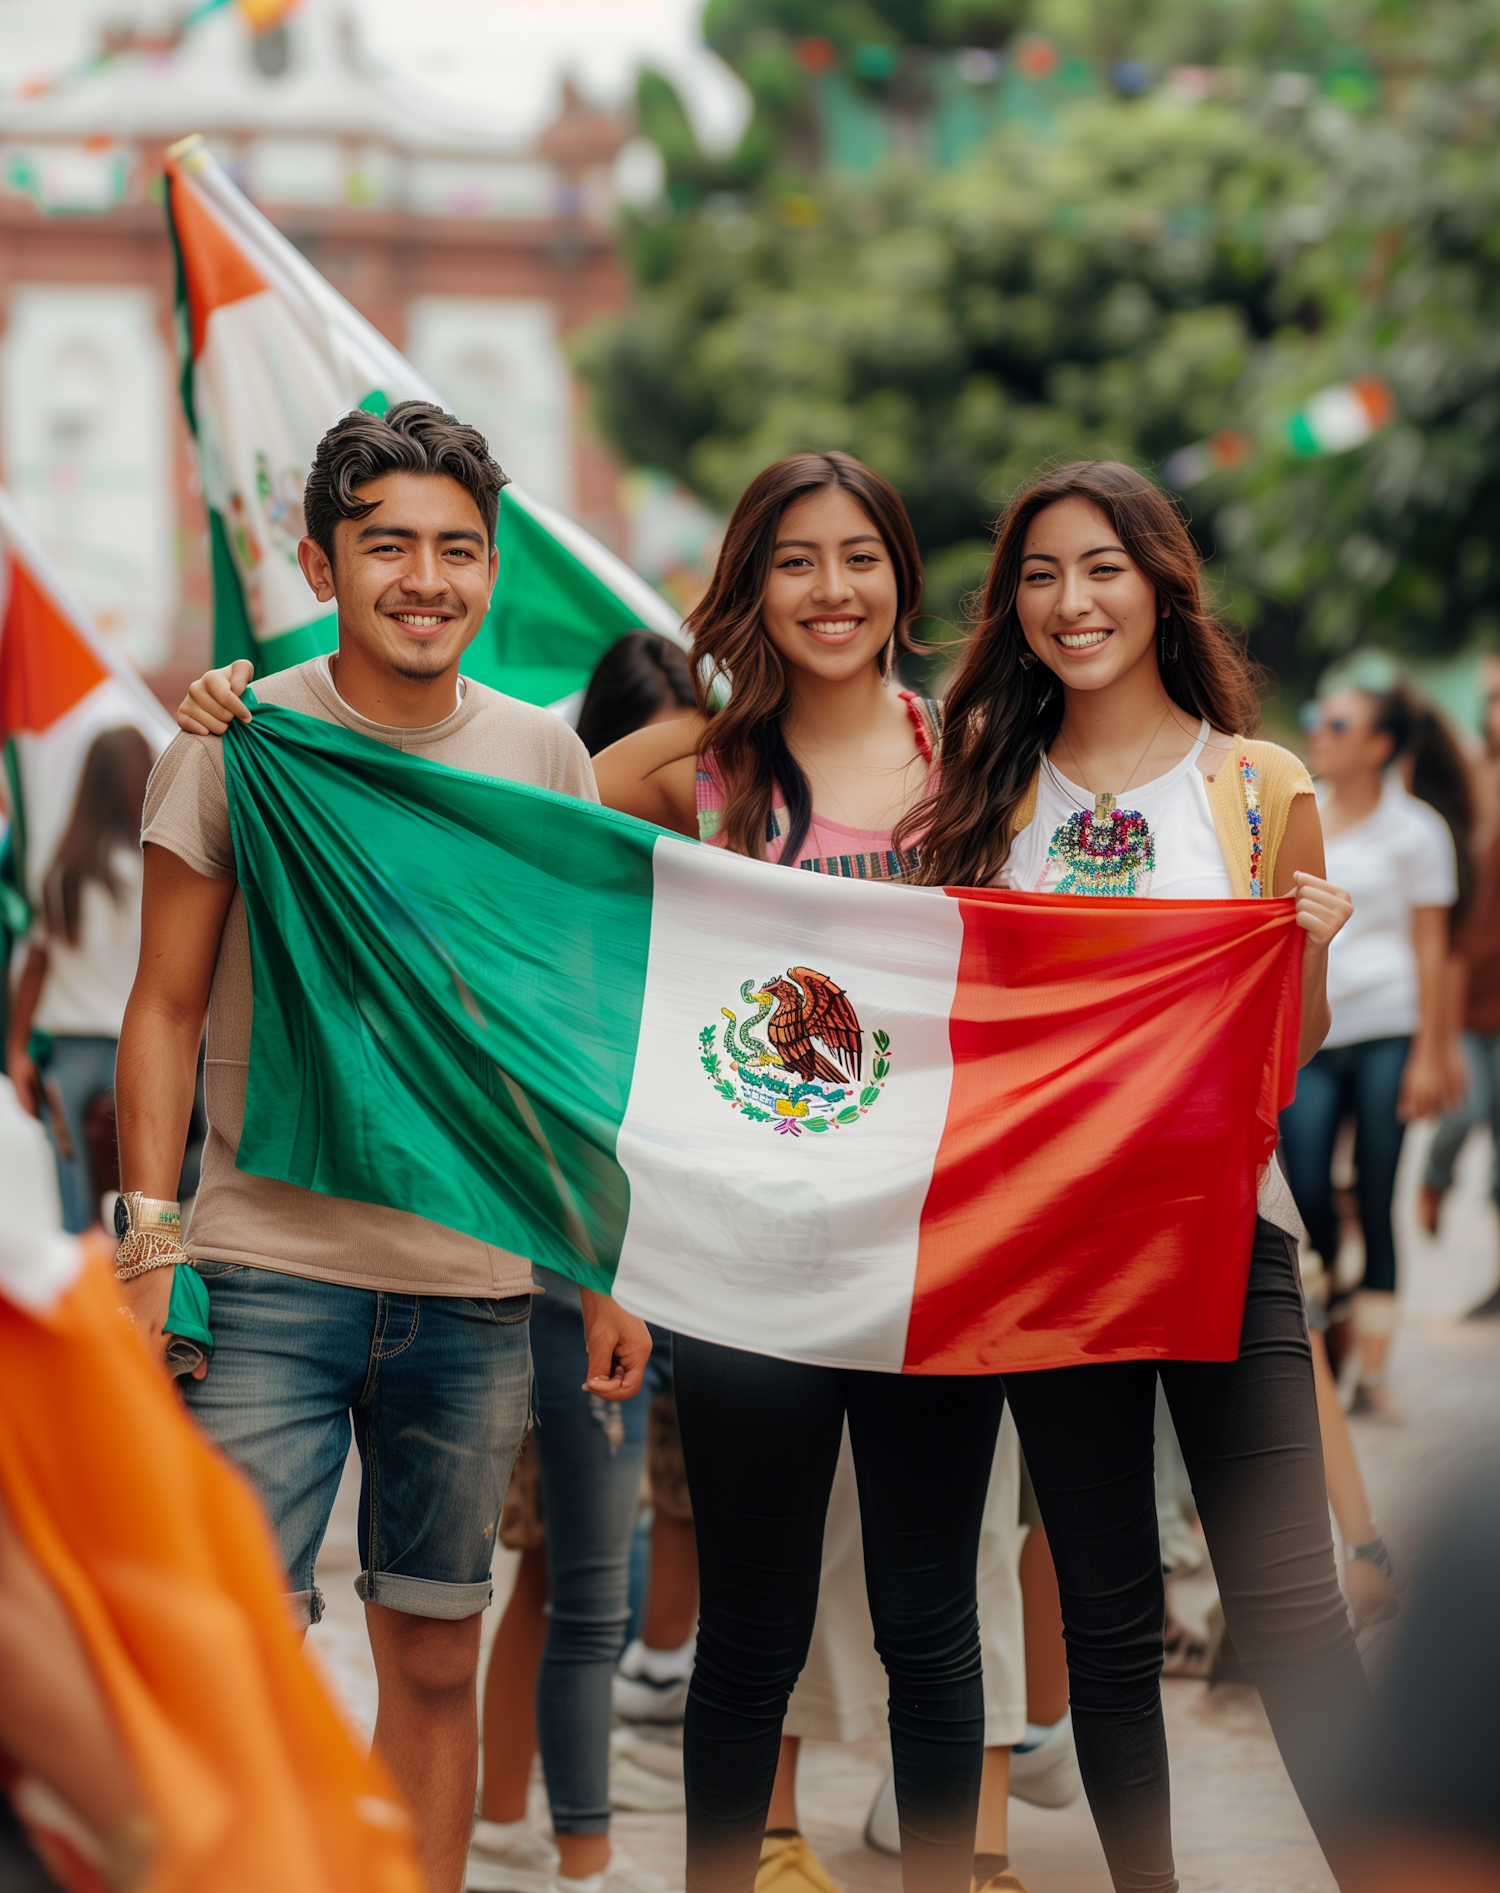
<point>1102,1153</point>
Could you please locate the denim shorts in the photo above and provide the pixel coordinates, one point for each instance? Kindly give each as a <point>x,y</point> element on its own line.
<point>439,1390</point>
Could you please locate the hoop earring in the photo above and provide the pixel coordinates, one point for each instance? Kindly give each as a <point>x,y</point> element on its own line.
<point>1026,659</point>
<point>1168,651</point>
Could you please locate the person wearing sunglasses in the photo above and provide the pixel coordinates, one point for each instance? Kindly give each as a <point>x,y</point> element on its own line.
<point>1391,1055</point>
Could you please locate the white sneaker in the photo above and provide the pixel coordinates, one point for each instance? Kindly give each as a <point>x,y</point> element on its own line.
<point>509,1857</point>
<point>1045,1772</point>
<point>645,1770</point>
<point>883,1827</point>
<point>622,1875</point>
<point>652,1685</point>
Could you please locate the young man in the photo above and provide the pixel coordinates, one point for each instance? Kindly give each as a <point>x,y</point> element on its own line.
<point>323,1308</point>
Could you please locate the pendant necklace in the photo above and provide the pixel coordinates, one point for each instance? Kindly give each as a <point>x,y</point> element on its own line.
<point>1104,802</point>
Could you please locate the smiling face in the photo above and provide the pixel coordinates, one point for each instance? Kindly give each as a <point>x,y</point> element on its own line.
<point>413,579</point>
<point>830,602</point>
<point>1086,609</point>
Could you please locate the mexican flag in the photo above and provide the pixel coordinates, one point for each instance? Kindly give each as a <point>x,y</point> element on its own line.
<point>61,685</point>
<point>939,1131</point>
<point>271,357</point>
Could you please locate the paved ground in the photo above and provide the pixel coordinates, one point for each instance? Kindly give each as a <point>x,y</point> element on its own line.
<point>1237,1822</point>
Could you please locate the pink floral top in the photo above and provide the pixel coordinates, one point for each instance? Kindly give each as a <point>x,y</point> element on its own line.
<point>863,854</point>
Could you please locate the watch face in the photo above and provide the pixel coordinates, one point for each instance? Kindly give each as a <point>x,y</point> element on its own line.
<point>122,1217</point>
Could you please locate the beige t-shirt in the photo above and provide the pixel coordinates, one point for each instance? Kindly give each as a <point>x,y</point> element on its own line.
<point>272,1225</point>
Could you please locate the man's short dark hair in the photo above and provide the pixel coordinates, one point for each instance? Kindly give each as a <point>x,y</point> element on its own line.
<point>411,437</point>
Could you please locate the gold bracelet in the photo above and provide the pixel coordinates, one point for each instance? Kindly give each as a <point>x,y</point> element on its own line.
<point>146,1249</point>
<point>150,1232</point>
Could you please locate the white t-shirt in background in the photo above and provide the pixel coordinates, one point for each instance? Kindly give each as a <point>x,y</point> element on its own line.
<point>1398,858</point>
<point>87,984</point>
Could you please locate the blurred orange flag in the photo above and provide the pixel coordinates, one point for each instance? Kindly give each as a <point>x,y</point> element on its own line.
<point>262,15</point>
<point>167,1566</point>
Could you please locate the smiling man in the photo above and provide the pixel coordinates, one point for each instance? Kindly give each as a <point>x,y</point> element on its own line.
<point>323,1309</point>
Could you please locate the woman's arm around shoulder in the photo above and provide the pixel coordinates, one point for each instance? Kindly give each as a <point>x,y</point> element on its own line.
<point>213,701</point>
<point>652,773</point>
<point>1322,910</point>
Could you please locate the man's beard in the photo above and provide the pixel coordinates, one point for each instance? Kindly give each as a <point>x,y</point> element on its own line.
<point>411,669</point>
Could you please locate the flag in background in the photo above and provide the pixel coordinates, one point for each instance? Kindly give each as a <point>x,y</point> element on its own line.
<point>272,355</point>
<point>61,685</point>
<point>834,1120</point>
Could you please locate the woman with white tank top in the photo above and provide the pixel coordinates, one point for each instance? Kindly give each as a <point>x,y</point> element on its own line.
<point>1093,745</point>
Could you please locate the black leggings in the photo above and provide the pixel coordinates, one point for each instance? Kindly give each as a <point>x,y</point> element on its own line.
<point>1249,1433</point>
<point>761,1438</point>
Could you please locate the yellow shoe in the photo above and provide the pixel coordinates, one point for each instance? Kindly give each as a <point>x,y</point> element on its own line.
<point>1007,1882</point>
<point>789,1865</point>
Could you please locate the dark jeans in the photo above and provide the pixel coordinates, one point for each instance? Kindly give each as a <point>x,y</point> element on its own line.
<point>1249,1434</point>
<point>1362,1081</point>
<point>590,1453</point>
<point>761,1438</point>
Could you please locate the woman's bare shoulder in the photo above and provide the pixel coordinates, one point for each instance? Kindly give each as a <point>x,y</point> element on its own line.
<point>658,745</point>
<point>651,773</point>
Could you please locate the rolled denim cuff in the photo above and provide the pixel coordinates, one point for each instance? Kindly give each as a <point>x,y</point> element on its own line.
<point>423,1597</point>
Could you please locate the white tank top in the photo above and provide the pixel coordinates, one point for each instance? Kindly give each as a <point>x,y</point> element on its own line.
<point>1159,842</point>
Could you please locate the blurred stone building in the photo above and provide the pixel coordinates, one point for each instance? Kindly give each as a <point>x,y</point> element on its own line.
<point>474,253</point>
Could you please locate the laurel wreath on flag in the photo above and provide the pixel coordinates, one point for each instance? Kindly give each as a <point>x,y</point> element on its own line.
<point>792,1105</point>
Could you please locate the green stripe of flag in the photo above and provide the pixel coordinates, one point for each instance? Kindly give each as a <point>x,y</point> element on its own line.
<point>448,979</point>
<point>233,636</point>
<point>550,620</point>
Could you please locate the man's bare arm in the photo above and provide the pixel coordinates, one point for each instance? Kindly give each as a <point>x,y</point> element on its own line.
<point>182,919</point>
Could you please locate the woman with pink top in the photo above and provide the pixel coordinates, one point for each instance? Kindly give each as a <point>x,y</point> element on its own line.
<point>811,760</point>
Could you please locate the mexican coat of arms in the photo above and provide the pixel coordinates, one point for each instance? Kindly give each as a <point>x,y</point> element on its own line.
<point>808,1071</point>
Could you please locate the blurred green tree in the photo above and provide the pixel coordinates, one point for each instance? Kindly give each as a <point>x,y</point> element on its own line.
<point>1393,263</point>
<point>1317,200</point>
<point>1102,293</point>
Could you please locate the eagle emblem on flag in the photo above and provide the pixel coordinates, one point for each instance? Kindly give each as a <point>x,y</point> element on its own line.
<point>807,1071</point>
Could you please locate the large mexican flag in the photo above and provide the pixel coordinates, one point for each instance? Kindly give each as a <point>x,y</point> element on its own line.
<point>61,685</point>
<point>272,355</point>
<point>833,1120</point>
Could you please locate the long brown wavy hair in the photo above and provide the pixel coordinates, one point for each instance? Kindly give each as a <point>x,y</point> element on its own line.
<point>106,817</point>
<point>731,648</point>
<point>1000,715</point>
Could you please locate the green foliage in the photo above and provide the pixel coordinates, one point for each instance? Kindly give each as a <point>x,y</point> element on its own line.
<point>1394,542</point>
<point>1096,295</point>
<point>1111,277</point>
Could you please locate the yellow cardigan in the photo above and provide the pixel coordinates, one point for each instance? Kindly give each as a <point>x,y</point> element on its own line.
<point>1250,797</point>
